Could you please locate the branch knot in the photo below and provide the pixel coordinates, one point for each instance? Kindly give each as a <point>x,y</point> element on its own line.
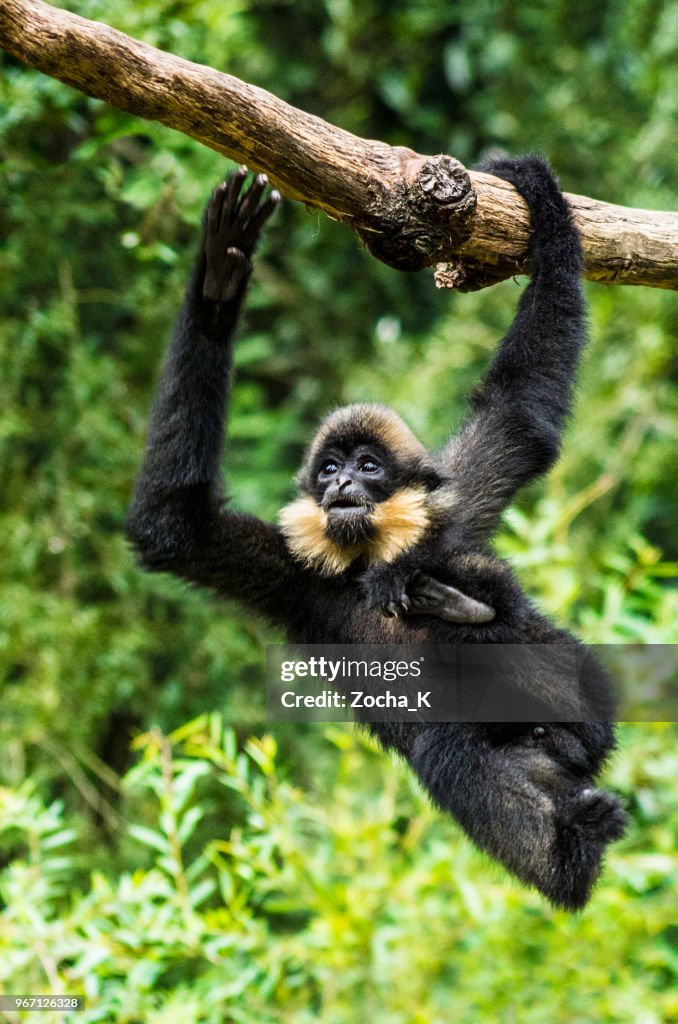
<point>426,213</point>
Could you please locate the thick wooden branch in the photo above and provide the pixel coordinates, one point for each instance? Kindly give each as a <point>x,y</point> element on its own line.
<point>412,211</point>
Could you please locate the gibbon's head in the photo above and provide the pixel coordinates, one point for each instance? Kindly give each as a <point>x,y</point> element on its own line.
<point>365,483</point>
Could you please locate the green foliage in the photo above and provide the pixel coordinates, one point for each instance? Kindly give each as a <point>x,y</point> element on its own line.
<point>218,881</point>
<point>368,906</point>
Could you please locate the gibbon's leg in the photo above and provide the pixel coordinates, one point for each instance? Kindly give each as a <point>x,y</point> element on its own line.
<point>428,596</point>
<point>526,805</point>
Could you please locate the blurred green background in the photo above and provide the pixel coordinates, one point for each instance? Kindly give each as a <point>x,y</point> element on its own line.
<point>158,850</point>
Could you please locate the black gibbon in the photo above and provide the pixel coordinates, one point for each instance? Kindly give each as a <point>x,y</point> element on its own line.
<point>388,543</point>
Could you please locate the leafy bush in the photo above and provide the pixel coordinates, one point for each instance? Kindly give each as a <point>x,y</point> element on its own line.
<point>359,905</point>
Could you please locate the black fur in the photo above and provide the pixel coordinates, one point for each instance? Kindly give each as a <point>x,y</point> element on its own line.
<point>524,793</point>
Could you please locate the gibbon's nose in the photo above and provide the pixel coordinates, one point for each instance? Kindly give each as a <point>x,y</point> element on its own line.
<point>344,480</point>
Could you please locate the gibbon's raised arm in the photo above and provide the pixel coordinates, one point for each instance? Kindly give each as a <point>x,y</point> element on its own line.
<point>513,434</point>
<point>177,522</point>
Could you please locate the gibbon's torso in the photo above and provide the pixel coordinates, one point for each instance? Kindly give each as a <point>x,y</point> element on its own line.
<point>339,613</point>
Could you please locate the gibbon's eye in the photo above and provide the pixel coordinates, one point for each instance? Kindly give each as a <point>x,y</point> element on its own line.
<point>329,468</point>
<point>538,732</point>
<point>368,466</point>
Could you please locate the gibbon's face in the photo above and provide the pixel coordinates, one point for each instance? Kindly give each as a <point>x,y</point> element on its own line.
<point>349,484</point>
<point>365,488</point>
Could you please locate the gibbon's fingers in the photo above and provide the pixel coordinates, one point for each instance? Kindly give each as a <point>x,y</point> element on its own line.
<point>232,186</point>
<point>214,208</point>
<point>250,201</point>
<point>261,216</point>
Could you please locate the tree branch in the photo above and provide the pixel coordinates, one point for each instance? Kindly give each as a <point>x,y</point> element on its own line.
<point>411,211</point>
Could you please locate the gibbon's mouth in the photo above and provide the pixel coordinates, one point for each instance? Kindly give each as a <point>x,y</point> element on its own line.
<point>346,506</point>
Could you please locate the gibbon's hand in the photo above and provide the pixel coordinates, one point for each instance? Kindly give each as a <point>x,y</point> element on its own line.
<point>233,223</point>
<point>385,588</point>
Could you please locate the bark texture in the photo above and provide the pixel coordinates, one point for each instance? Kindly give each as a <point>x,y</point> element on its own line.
<point>412,211</point>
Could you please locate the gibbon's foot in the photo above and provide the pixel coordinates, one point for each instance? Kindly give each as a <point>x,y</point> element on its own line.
<point>233,222</point>
<point>428,596</point>
<point>597,813</point>
<point>585,825</point>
